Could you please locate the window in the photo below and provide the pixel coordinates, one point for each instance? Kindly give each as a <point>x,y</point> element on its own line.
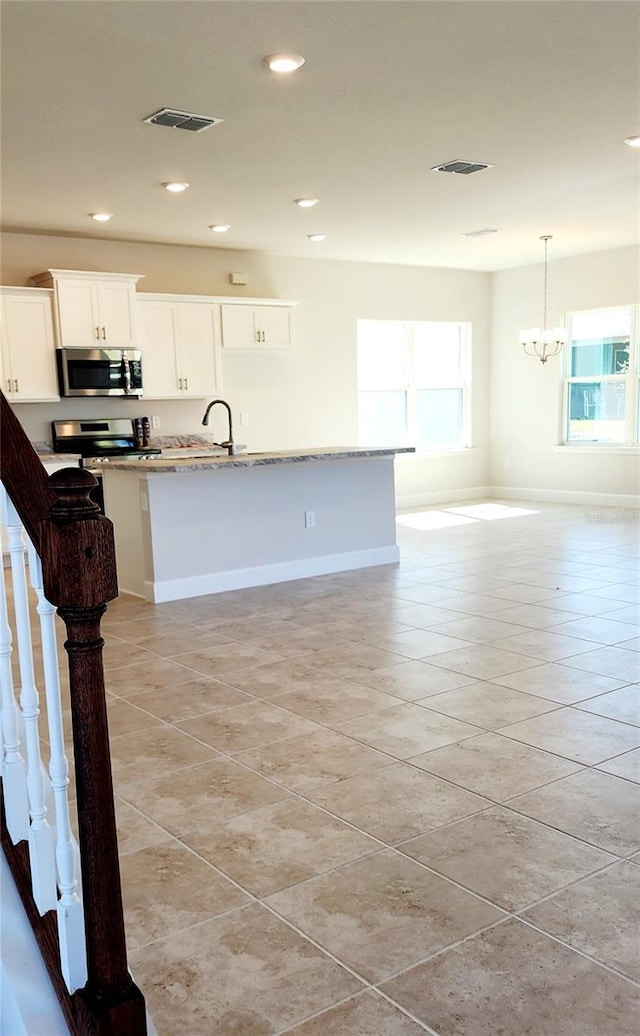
<point>414,384</point>
<point>601,377</point>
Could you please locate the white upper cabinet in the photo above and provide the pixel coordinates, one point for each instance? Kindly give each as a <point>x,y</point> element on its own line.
<point>157,338</point>
<point>179,343</point>
<point>27,354</point>
<point>199,353</point>
<point>246,325</point>
<point>93,309</point>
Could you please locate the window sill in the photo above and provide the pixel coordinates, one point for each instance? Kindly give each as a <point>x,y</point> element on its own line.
<point>597,448</point>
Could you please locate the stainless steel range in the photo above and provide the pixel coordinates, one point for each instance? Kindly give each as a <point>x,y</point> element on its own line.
<point>98,442</point>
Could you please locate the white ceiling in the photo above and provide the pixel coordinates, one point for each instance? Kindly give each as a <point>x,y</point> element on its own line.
<point>544,90</point>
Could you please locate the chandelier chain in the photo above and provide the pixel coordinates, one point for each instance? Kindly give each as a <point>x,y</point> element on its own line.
<point>544,303</point>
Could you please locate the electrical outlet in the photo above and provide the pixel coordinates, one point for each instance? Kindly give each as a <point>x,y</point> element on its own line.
<point>156,422</point>
<point>309,519</point>
<point>244,419</point>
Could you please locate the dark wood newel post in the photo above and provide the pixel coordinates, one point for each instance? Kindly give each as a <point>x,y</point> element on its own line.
<point>79,578</point>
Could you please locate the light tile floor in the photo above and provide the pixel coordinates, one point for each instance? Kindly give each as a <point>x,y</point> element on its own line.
<point>392,801</point>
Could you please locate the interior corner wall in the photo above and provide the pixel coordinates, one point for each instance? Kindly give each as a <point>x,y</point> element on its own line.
<point>525,395</point>
<point>306,397</point>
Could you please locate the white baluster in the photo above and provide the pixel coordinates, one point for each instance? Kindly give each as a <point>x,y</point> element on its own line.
<point>41,844</point>
<point>14,770</point>
<point>73,957</point>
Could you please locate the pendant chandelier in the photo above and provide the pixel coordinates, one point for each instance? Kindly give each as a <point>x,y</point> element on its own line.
<point>544,341</point>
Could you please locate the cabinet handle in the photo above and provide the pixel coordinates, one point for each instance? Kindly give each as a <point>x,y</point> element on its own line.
<point>257,336</point>
<point>264,336</point>
<point>104,333</point>
<point>186,383</point>
<point>15,382</point>
<point>9,384</point>
<point>179,383</point>
<point>97,332</point>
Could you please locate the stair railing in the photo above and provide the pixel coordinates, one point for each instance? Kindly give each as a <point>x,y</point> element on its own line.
<point>73,900</point>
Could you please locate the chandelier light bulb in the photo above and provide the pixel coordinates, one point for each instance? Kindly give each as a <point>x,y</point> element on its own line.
<point>306,203</point>
<point>101,217</point>
<point>175,187</point>
<point>283,63</point>
<point>220,228</point>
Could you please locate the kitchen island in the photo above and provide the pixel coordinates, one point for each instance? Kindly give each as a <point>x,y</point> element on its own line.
<point>195,525</point>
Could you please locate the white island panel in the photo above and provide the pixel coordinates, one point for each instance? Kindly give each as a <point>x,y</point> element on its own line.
<point>125,497</point>
<point>190,532</point>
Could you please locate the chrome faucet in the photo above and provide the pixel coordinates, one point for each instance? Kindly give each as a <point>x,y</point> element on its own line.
<point>229,444</point>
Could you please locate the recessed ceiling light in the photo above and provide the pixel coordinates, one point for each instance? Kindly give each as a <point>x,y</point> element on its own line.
<point>220,228</point>
<point>306,203</point>
<point>316,237</point>
<point>175,187</point>
<point>283,62</point>
<point>632,141</point>
<point>101,217</point>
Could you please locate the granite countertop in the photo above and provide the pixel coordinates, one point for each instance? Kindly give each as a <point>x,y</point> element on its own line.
<point>44,457</point>
<point>46,453</point>
<point>248,460</point>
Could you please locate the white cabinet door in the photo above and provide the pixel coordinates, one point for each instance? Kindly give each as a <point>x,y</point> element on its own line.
<point>198,352</point>
<point>157,333</point>
<point>275,324</point>
<point>239,328</point>
<point>247,326</point>
<point>78,314</point>
<point>28,354</point>
<point>117,314</point>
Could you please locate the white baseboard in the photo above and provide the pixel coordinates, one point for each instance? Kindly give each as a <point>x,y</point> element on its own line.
<point>449,496</point>
<point>262,575</point>
<point>557,496</point>
<point>562,496</point>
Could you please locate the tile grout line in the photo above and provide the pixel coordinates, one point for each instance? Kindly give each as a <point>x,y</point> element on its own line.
<point>393,761</point>
<point>397,848</point>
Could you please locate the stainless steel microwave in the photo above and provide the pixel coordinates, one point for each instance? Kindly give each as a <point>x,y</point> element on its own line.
<point>100,372</point>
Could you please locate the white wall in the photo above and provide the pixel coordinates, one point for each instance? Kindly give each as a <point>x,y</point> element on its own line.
<point>525,395</point>
<point>303,398</point>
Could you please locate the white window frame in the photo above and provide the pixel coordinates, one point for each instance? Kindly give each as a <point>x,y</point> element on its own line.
<point>411,389</point>
<point>631,380</point>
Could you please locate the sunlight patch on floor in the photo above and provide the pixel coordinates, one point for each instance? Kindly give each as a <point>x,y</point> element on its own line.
<point>451,516</point>
<point>425,520</point>
<point>491,512</point>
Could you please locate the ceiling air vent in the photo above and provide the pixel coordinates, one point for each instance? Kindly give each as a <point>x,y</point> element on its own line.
<point>182,120</point>
<point>480,233</point>
<point>458,165</point>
